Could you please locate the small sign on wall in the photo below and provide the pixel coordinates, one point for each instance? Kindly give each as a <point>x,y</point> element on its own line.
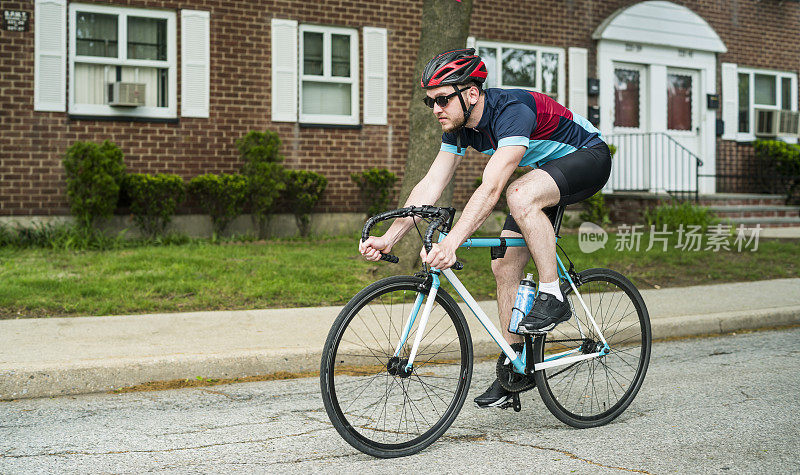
<point>13,20</point>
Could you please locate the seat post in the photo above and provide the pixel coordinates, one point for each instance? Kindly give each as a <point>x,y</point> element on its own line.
<point>557,220</point>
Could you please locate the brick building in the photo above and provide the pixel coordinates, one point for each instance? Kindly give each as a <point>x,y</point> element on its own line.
<point>689,72</point>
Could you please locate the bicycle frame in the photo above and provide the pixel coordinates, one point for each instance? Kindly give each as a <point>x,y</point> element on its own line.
<point>518,361</point>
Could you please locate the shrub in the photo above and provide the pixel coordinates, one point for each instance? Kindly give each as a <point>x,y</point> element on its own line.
<point>153,200</point>
<point>674,214</point>
<point>784,160</point>
<point>94,175</point>
<point>303,190</point>
<point>260,147</point>
<point>260,152</point>
<point>221,196</point>
<point>265,181</point>
<point>376,187</point>
<point>595,210</point>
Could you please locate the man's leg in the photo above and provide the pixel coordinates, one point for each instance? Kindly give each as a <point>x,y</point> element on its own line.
<point>508,272</point>
<point>527,197</point>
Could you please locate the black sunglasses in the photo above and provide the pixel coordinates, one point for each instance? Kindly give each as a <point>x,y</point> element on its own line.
<point>442,101</point>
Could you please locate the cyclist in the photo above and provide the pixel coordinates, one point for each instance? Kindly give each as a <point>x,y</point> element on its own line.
<point>515,128</point>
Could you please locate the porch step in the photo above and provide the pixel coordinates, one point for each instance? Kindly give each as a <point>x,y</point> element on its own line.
<point>755,211</point>
<point>741,199</point>
<point>776,222</point>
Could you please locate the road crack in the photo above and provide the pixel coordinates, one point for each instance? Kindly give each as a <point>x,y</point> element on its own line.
<point>572,456</point>
<point>175,449</point>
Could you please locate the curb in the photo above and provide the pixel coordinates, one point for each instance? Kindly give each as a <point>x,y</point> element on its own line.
<point>108,375</point>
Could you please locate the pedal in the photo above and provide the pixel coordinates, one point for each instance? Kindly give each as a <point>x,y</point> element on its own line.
<point>512,403</point>
<point>523,332</point>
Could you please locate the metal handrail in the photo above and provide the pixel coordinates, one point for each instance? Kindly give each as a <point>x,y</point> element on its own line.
<point>652,140</point>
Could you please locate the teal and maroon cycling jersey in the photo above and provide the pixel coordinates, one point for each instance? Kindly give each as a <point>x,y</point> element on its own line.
<point>535,121</point>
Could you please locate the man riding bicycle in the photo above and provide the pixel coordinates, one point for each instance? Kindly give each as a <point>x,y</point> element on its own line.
<point>515,128</point>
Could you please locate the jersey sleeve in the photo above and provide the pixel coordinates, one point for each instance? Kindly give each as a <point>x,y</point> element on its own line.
<point>449,144</point>
<point>514,125</point>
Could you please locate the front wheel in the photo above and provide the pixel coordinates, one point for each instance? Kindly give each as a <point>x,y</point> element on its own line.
<point>592,392</point>
<point>372,402</point>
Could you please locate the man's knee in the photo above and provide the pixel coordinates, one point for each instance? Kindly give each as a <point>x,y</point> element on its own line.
<point>532,192</point>
<point>521,201</point>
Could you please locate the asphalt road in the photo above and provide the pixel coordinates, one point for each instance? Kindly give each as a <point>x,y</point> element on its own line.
<point>727,404</point>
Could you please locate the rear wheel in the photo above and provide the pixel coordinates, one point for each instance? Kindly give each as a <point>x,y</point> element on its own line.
<point>592,392</point>
<point>372,402</point>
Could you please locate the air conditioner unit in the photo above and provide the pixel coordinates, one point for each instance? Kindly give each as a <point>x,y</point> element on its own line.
<point>777,123</point>
<point>789,123</point>
<point>766,123</point>
<point>126,94</point>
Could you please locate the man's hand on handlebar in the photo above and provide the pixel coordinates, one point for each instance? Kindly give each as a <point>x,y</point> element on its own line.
<point>441,256</point>
<point>371,248</point>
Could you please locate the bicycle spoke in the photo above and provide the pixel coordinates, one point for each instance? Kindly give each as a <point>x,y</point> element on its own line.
<point>591,392</point>
<point>395,410</point>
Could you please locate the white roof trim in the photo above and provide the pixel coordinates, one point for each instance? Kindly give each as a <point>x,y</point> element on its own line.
<point>660,23</point>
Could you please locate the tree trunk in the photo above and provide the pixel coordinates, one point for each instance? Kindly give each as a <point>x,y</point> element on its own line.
<point>445,26</point>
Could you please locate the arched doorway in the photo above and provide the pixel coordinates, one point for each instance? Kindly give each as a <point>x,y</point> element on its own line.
<point>656,62</point>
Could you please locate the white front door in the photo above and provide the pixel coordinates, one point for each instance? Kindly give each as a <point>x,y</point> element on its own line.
<point>674,169</point>
<point>630,124</point>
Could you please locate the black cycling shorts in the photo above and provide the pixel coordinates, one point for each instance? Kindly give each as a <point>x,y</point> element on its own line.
<point>578,175</point>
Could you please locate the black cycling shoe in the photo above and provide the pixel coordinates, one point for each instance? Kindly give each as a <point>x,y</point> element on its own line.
<point>495,396</point>
<point>546,313</point>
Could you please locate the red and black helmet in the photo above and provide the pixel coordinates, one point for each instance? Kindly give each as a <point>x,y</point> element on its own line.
<point>458,66</point>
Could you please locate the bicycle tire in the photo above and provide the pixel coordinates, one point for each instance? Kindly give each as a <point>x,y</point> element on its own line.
<point>393,419</point>
<point>608,384</point>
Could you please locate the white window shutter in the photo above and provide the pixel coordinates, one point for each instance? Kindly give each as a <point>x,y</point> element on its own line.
<point>50,67</point>
<point>471,42</point>
<point>730,101</point>
<point>578,73</point>
<point>375,76</point>
<point>284,70</point>
<point>195,63</point>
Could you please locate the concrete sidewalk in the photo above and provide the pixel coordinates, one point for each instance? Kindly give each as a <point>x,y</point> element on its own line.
<point>56,356</point>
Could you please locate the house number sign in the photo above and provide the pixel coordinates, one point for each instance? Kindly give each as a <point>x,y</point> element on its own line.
<point>14,20</point>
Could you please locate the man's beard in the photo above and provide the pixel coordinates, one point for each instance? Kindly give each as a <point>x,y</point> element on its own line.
<point>454,125</point>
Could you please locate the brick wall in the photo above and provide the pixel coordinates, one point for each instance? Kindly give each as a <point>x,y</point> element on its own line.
<point>32,143</point>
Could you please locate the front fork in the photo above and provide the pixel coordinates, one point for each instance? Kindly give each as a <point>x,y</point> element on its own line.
<point>423,321</point>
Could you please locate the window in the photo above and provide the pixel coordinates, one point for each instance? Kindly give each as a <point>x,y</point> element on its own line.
<point>328,75</point>
<point>762,89</point>
<point>110,45</point>
<point>523,66</point>
<point>679,101</point>
<point>626,98</point>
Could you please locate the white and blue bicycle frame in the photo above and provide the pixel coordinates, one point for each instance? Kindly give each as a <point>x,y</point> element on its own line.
<point>517,360</point>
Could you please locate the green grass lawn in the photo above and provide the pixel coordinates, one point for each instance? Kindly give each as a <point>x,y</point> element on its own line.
<point>293,273</point>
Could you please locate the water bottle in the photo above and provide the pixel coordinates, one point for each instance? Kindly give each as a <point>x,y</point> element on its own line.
<point>523,303</point>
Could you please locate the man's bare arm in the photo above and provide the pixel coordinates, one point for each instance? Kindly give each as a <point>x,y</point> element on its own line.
<point>427,191</point>
<point>495,176</point>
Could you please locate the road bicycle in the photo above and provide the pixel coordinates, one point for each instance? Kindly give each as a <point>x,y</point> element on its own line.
<point>394,373</point>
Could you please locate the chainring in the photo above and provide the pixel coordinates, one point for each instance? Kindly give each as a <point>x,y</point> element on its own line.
<point>509,379</point>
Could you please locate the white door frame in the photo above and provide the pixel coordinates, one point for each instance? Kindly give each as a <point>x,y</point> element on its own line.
<point>656,60</point>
